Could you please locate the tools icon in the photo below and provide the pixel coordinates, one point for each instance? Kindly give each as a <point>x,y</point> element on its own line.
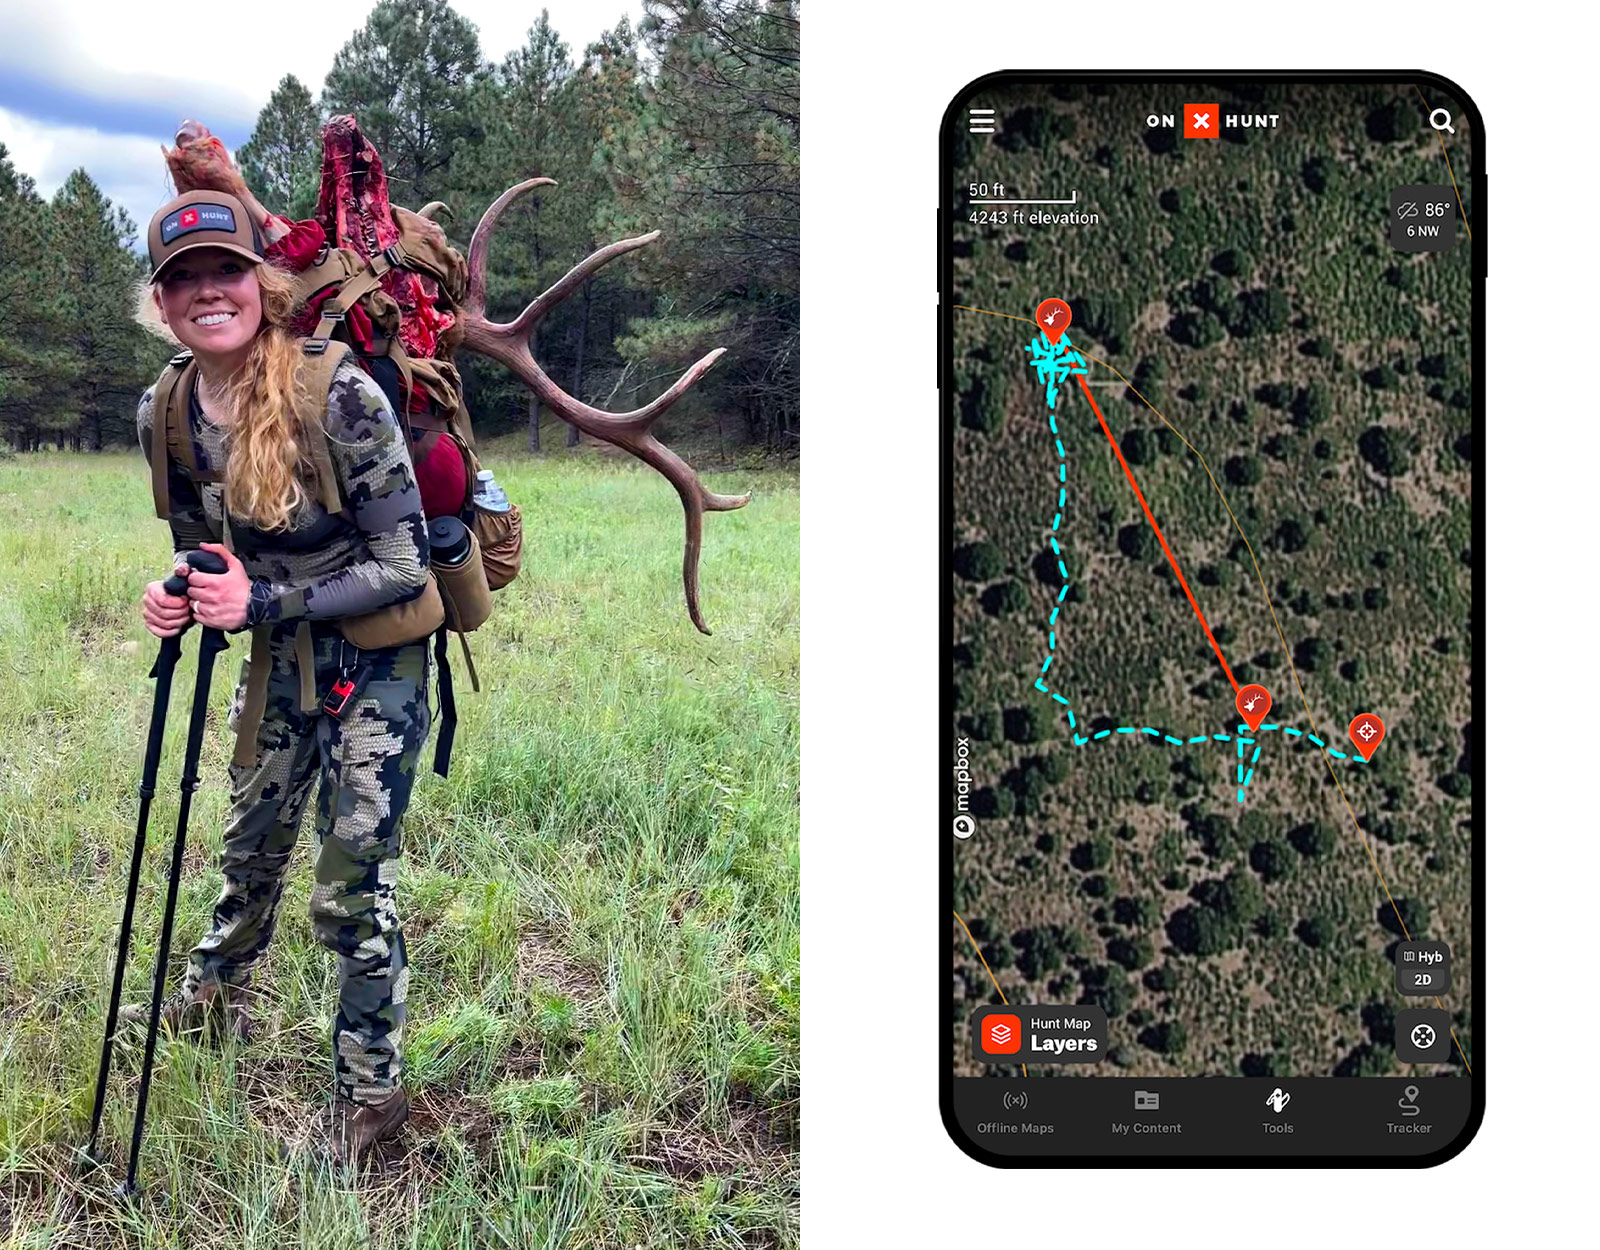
<point>1278,1099</point>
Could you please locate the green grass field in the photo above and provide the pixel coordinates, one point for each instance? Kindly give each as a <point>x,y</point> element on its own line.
<point>601,903</point>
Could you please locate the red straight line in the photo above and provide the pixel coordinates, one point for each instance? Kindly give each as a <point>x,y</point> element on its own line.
<point>1162,538</point>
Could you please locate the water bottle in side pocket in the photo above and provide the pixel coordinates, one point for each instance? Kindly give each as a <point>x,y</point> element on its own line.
<point>487,495</point>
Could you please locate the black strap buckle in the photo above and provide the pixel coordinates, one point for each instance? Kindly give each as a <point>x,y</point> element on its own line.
<point>395,256</point>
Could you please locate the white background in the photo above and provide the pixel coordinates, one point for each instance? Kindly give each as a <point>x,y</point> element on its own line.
<point>878,1168</point>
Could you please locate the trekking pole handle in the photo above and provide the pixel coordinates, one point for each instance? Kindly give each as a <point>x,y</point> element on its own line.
<point>200,562</point>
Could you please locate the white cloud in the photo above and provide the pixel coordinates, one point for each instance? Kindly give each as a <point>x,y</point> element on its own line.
<point>102,85</point>
<point>230,57</point>
<point>128,168</point>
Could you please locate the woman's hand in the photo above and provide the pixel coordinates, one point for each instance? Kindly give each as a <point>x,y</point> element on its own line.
<point>164,614</point>
<point>220,600</point>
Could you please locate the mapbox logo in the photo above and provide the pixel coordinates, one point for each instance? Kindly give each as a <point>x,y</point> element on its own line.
<point>1002,1035</point>
<point>1200,121</point>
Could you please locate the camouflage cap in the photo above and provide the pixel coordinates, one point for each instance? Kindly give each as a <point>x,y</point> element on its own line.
<point>202,219</point>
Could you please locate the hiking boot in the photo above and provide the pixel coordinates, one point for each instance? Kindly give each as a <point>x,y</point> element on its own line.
<point>213,1008</point>
<point>357,1127</point>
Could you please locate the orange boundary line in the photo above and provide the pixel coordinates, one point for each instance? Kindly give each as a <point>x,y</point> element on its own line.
<point>986,967</point>
<point>1439,134</point>
<point>1150,516</point>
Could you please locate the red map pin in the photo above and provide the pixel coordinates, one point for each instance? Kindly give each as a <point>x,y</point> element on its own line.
<point>1253,703</point>
<point>1053,317</point>
<point>1366,731</point>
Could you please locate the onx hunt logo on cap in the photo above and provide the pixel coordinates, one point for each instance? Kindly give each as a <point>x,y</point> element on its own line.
<point>197,217</point>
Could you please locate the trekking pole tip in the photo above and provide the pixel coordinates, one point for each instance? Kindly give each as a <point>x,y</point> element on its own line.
<point>89,1159</point>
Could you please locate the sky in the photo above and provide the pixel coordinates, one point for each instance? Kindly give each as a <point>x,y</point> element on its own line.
<point>103,86</point>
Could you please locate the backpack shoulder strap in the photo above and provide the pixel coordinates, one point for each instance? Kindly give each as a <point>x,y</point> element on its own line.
<point>169,429</point>
<point>316,377</point>
<point>356,284</point>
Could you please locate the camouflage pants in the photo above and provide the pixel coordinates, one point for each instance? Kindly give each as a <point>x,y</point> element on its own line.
<point>367,761</point>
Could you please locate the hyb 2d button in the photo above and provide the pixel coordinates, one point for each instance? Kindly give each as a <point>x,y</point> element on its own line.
<point>1422,1035</point>
<point>1422,968</point>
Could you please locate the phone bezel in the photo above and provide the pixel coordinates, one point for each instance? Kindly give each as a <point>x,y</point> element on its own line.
<point>947,1047</point>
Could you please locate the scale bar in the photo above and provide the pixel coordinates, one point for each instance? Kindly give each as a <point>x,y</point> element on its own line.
<point>1073,200</point>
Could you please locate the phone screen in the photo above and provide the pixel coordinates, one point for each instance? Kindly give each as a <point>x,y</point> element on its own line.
<point>1211,368</point>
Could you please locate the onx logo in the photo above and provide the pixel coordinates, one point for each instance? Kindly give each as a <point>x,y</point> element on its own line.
<point>1208,121</point>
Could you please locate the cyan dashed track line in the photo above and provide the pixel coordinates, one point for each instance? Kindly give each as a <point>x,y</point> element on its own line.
<point>1245,770</point>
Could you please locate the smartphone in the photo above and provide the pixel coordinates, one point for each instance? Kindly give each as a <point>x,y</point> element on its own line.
<point>1211,371</point>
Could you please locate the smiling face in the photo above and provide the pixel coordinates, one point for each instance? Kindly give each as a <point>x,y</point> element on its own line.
<point>211,301</point>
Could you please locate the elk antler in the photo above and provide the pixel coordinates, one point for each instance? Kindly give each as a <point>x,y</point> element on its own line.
<point>508,343</point>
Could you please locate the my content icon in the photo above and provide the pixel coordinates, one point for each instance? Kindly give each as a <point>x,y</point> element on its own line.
<point>1423,1036</point>
<point>1408,1102</point>
<point>1145,1100</point>
<point>1278,1099</point>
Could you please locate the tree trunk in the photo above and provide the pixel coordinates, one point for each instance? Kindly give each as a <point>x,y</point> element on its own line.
<point>533,396</point>
<point>577,368</point>
<point>533,338</point>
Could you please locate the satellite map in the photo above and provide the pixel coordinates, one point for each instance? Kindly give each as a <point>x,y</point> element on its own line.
<point>1213,440</point>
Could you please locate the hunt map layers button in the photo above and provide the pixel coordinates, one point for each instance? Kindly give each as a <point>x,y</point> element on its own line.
<point>1039,1034</point>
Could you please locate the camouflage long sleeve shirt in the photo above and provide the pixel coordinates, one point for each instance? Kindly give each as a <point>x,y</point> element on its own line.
<point>372,553</point>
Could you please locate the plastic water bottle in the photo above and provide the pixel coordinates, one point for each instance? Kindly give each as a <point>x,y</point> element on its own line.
<point>487,496</point>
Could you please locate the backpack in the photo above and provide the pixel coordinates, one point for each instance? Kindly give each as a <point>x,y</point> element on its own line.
<point>425,394</point>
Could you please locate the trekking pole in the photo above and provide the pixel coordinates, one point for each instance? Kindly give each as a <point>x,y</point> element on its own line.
<point>211,642</point>
<point>166,665</point>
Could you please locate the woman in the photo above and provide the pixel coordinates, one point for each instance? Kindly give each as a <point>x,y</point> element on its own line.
<point>294,561</point>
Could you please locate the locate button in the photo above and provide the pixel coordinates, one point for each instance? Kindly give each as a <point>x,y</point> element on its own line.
<point>1422,1035</point>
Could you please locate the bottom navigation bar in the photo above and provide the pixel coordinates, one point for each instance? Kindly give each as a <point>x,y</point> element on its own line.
<point>1410,1116</point>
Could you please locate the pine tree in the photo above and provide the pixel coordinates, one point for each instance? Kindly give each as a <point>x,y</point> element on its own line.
<point>112,355</point>
<point>521,108</point>
<point>712,158</point>
<point>35,370</point>
<point>282,160</point>
<point>407,76</point>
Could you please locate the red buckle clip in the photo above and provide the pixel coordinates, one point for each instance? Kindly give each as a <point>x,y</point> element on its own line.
<point>338,697</point>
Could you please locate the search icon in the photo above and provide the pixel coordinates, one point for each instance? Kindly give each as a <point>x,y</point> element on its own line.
<point>1439,119</point>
